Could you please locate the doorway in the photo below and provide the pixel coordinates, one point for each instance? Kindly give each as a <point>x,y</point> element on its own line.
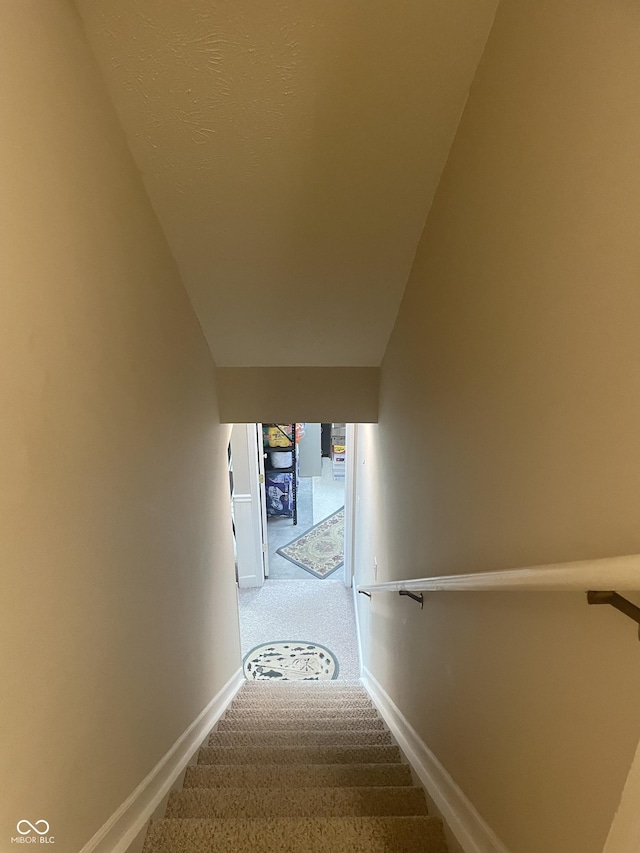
<point>295,602</point>
<point>306,540</point>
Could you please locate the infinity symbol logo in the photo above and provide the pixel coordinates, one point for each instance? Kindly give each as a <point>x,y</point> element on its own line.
<point>33,828</point>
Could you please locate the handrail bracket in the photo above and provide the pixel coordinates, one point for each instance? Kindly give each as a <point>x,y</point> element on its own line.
<point>419,598</point>
<point>615,600</point>
<point>364,592</point>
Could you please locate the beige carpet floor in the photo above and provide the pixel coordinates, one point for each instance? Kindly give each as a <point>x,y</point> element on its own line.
<point>306,610</point>
<point>298,767</point>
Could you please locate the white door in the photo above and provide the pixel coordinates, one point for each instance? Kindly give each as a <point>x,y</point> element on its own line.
<point>247,509</point>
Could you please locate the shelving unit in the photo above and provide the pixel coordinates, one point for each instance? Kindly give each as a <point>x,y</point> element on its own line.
<point>288,431</point>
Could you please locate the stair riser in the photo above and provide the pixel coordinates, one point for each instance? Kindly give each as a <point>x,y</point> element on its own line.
<point>421,834</point>
<point>292,687</point>
<point>275,697</point>
<point>342,724</point>
<point>282,693</point>
<point>264,690</point>
<point>333,684</point>
<point>300,755</point>
<point>297,776</point>
<point>310,711</point>
<point>287,738</point>
<point>301,712</point>
<point>295,802</point>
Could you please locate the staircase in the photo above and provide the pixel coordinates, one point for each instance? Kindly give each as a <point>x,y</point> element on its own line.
<point>298,768</point>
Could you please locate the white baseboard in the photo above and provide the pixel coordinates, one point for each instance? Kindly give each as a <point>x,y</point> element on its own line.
<point>119,831</point>
<point>468,827</point>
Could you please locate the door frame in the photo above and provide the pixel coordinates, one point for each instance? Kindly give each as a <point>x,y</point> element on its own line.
<point>350,491</point>
<point>247,505</point>
<point>262,497</point>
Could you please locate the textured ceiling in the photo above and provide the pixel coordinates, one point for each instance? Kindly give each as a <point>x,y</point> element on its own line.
<point>291,150</point>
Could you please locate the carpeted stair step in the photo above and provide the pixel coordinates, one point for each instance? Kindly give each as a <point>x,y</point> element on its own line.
<point>296,724</point>
<point>296,775</point>
<point>266,685</point>
<point>325,709</point>
<point>357,737</point>
<point>299,755</point>
<point>301,713</point>
<point>420,834</point>
<point>296,802</point>
<point>296,768</point>
<point>284,694</point>
<point>297,689</point>
<point>266,688</point>
<point>275,700</point>
<point>310,684</point>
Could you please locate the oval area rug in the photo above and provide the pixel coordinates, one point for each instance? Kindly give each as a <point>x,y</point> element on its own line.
<point>290,660</point>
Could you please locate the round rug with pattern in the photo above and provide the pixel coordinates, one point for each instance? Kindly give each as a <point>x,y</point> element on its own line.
<point>290,660</point>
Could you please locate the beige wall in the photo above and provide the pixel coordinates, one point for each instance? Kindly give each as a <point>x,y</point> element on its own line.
<point>508,430</point>
<point>118,620</point>
<point>313,394</point>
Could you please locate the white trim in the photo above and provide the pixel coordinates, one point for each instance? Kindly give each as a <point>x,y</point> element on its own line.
<point>120,830</point>
<point>350,487</point>
<point>255,453</point>
<point>469,828</point>
<point>608,573</point>
<point>624,834</point>
<point>356,614</point>
<point>262,497</point>
<point>247,506</point>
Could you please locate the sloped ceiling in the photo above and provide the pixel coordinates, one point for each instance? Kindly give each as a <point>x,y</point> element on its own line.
<point>291,150</point>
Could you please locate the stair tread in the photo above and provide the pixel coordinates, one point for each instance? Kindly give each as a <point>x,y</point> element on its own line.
<point>415,834</point>
<point>324,698</point>
<point>296,802</point>
<point>333,683</point>
<point>356,737</point>
<point>297,775</point>
<point>301,697</point>
<point>293,724</point>
<point>300,712</point>
<point>298,754</point>
<point>263,688</point>
<point>299,709</point>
